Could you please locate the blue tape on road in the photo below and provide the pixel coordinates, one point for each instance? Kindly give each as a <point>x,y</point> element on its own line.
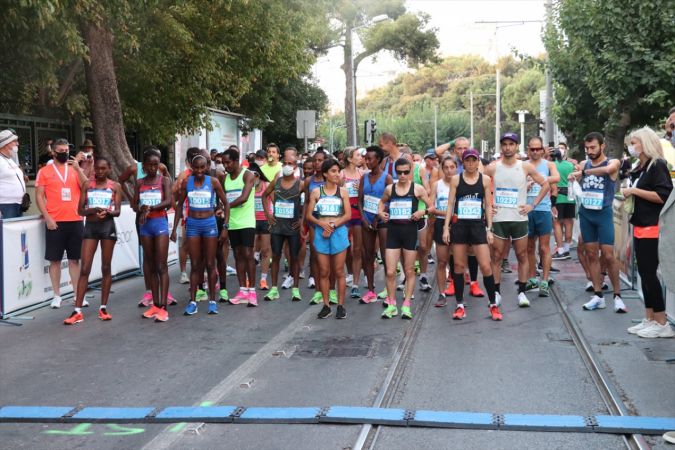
<point>112,414</point>
<point>211,414</point>
<point>539,422</point>
<point>361,415</point>
<point>447,419</point>
<point>279,415</point>
<point>34,413</point>
<point>634,424</point>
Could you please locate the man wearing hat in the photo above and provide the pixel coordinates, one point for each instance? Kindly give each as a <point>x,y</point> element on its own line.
<point>12,180</point>
<point>510,221</point>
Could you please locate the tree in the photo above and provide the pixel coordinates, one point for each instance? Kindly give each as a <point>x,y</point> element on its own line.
<point>612,64</point>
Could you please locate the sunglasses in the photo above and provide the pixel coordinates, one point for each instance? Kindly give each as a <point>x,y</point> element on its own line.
<point>403,172</point>
<point>536,149</point>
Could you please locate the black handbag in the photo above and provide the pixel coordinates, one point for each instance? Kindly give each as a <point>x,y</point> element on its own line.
<point>25,202</point>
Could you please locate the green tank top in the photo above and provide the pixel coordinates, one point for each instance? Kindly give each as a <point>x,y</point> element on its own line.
<point>418,180</point>
<point>242,216</point>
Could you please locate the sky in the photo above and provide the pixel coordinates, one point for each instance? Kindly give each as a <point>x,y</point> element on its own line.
<point>458,34</point>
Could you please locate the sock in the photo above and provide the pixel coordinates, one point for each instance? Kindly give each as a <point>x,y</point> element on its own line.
<point>263,276</point>
<point>460,305</point>
<point>102,307</point>
<point>473,268</point>
<point>598,293</point>
<point>458,278</point>
<point>212,301</point>
<point>406,302</point>
<point>489,283</point>
<point>521,286</point>
<point>566,246</point>
<point>497,285</point>
<point>78,310</point>
<point>191,301</point>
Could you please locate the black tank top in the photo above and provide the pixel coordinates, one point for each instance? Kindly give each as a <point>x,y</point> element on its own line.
<point>469,200</point>
<point>401,207</point>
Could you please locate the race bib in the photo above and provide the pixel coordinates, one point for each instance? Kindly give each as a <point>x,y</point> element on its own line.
<point>232,195</point>
<point>99,198</point>
<point>400,209</point>
<point>506,198</point>
<point>284,210</point>
<point>65,195</point>
<point>352,188</point>
<point>592,199</point>
<point>470,209</point>
<point>150,198</point>
<point>442,204</point>
<point>199,199</point>
<point>534,191</point>
<point>370,203</point>
<point>258,205</point>
<point>329,206</point>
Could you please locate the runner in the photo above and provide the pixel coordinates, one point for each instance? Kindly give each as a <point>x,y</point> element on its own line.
<point>510,219</point>
<point>331,238</point>
<point>263,251</point>
<point>100,202</point>
<point>596,218</point>
<point>420,178</point>
<point>285,223</point>
<point>351,177</point>
<point>152,197</point>
<point>241,230</point>
<point>564,209</point>
<point>402,218</point>
<point>201,231</point>
<point>371,189</point>
<point>471,222</point>
<point>272,165</point>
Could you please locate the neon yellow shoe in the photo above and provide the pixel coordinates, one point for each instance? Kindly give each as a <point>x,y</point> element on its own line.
<point>390,312</point>
<point>332,297</point>
<point>316,298</point>
<point>406,313</point>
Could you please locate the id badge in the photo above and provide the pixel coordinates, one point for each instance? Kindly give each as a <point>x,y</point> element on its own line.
<point>65,195</point>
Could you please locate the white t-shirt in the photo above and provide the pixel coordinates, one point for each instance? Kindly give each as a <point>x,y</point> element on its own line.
<point>12,186</point>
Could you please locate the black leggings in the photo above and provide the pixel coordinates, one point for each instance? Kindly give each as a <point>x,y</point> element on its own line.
<point>647,256</point>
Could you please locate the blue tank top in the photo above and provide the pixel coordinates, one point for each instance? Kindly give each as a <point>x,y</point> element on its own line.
<point>313,184</point>
<point>533,193</point>
<point>200,198</point>
<point>598,191</point>
<point>372,193</point>
<point>140,173</point>
<point>390,169</point>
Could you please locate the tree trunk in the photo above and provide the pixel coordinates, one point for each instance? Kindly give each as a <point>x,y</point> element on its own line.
<point>615,134</point>
<point>348,69</point>
<point>104,99</point>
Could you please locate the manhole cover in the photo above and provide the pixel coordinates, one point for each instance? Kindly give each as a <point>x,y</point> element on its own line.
<point>341,347</point>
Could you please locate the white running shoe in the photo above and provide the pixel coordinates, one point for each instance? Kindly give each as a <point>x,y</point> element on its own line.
<point>589,286</point>
<point>619,306</point>
<point>302,275</point>
<point>640,326</point>
<point>595,303</point>
<point>310,283</point>
<point>85,303</point>
<point>349,279</point>
<point>184,279</point>
<point>231,271</point>
<point>498,298</point>
<point>656,330</point>
<point>523,301</point>
<point>288,282</point>
<point>56,302</point>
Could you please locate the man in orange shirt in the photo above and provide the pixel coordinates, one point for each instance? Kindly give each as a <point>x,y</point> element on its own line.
<point>57,192</point>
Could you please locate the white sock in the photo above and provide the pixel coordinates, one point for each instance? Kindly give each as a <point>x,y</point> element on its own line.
<point>566,246</point>
<point>263,276</point>
<point>78,310</point>
<point>102,307</point>
<point>460,305</point>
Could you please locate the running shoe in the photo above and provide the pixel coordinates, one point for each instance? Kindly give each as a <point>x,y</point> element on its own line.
<point>263,284</point>
<point>382,295</point>
<point>498,298</point>
<point>75,317</point>
<point>400,287</point>
<point>406,313</point>
<point>656,330</point>
<point>325,312</point>
<point>162,315</point>
<point>223,296</point>
<point>231,271</point>
<point>640,326</point>
<point>285,266</point>
<point>605,286</point>
<point>390,312</point>
<point>494,313</point>
<point>85,303</point>
<point>150,312</point>
<point>441,302</point>
<point>531,284</point>
<point>430,259</point>
<point>56,302</point>
<point>459,313</point>
<point>424,284</point>
<point>170,299</point>
<point>595,303</point>
<point>272,295</point>
<point>213,307</point>
<point>341,312</point>
<point>557,256</point>
<point>103,314</point>
<point>146,300</point>
<point>301,275</point>
<point>184,279</point>
<point>378,259</point>
<point>543,289</point>
<point>417,267</point>
<point>619,306</point>
<point>370,297</point>
<point>332,296</point>
<point>505,266</point>
<point>287,283</point>
<point>356,292</point>
<point>190,309</point>
<point>589,286</point>
<point>311,283</point>
<point>201,296</point>
<point>316,298</point>
<point>349,279</point>
<point>256,257</point>
<point>241,297</point>
<point>295,295</point>
<point>523,301</point>
<point>540,269</point>
<point>450,291</point>
<point>252,298</point>
<point>475,290</point>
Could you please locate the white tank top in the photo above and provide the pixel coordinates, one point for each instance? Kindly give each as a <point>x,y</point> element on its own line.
<point>442,194</point>
<point>510,192</point>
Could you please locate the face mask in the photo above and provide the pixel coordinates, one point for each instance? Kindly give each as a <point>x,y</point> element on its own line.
<point>632,151</point>
<point>287,170</point>
<point>61,157</point>
<point>220,167</point>
<point>15,149</point>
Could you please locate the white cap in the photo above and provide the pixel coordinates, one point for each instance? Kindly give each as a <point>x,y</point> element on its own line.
<point>7,136</point>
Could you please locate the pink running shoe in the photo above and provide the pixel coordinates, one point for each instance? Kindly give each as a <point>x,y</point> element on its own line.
<point>241,297</point>
<point>170,300</point>
<point>146,301</point>
<point>370,297</point>
<point>252,298</point>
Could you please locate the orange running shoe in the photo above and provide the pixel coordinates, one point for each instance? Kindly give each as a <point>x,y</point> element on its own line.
<point>75,317</point>
<point>150,312</point>
<point>103,314</point>
<point>451,289</point>
<point>494,312</point>
<point>263,285</point>
<point>459,313</point>
<point>475,290</point>
<point>161,315</point>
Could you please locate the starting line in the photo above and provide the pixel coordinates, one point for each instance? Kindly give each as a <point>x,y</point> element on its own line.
<point>342,415</point>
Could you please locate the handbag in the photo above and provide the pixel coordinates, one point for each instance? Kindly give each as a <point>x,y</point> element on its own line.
<point>25,202</point>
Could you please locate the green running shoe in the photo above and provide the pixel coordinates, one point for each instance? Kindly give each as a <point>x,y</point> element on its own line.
<point>295,295</point>
<point>406,313</point>
<point>332,297</point>
<point>382,295</point>
<point>201,296</point>
<point>532,284</point>
<point>223,295</point>
<point>543,289</point>
<point>316,298</point>
<point>273,294</point>
<point>417,267</point>
<point>390,312</point>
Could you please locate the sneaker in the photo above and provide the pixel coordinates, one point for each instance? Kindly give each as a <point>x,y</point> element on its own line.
<point>382,295</point>
<point>378,259</point>
<point>252,298</point>
<point>213,307</point>
<point>370,297</point>
<point>256,257</point>
<point>475,290</point>
<point>325,312</point>
<point>589,286</point>
<point>162,315</point>
<point>441,302</point>
<point>400,286</point>
<point>332,296</point>
<point>406,313</point>
<point>498,299</point>
<point>85,303</point>
<point>605,286</point>
<point>495,314</point>
<point>184,279</point>
<point>301,275</point>
<point>295,295</point>
<point>146,300</point>
<point>424,284</point>
<point>523,301</point>
<point>75,317</point>
<point>543,289</point>
<point>505,267</point>
<point>390,312</point>
<point>669,437</point>
<point>356,292</point>
<point>170,299</point>
<point>619,306</point>
<point>150,312</point>
<point>450,291</point>
<point>430,259</point>
<point>231,271</point>
<point>263,285</point>
<point>561,256</point>
<point>103,314</point>
<point>316,298</point>
<point>656,330</point>
<point>310,283</point>
<point>223,296</point>
<point>341,312</point>
<point>594,303</point>
<point>241,297</point>
<point>417,267</point>
<point>531,284</point>
<point>350,279</point>
<point>56,302</point>
<point>459,313</point>
<point>640,326</point>
<point>201,296</point>
<point>554,270</point>
<point>287,283</point>
<point>272,295</point>
<point>190,309</point>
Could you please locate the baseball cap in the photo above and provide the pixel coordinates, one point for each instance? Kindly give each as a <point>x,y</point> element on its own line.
<point>511,136</point>
<point>469,153</point>
<point>261,154</point>
<point>431,153</point>
<point>7,136</point>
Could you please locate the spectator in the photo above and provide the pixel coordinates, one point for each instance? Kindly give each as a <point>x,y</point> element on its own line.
<point>85,158</point>
<point>12,181</point>
<point>46,154</point>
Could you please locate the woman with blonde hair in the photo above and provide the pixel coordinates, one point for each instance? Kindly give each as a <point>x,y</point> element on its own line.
<point>351,177</point>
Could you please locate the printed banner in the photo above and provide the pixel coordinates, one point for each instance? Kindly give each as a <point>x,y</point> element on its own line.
<point>623,240</point>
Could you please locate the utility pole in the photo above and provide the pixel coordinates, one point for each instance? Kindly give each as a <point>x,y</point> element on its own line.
<point>549,82</point>
<point>471,103</point>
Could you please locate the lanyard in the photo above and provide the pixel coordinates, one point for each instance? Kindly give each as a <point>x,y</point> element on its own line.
<point>63,179</point>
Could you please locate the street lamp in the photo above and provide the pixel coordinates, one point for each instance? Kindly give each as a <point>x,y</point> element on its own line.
<point>521,119</point>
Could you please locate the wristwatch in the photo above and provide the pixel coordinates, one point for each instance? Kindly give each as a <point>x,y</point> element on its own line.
<point>332,224</point>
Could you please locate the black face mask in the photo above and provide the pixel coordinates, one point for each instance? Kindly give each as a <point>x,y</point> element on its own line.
<point>61,157</point>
